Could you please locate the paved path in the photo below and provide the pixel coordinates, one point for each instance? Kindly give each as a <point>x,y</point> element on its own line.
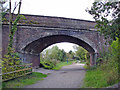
<point>68,77</point>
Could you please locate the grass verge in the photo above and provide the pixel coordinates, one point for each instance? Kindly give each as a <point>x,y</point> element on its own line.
<point>101,76</point>
<point>60,65</point>
<point>95,79</point>
<point>23,81</point>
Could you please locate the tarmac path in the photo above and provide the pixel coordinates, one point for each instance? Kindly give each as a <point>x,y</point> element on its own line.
<point>70,76</point>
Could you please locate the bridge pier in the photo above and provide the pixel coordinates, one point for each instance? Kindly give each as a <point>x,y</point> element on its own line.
<point>30,58</point>
<point>93,58</point>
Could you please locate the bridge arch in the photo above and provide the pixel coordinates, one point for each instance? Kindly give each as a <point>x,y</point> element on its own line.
<point>34,48</point>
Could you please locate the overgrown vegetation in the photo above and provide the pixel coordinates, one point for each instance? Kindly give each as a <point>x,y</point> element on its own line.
<point>82,55</point>
<point>55,58</point>
<point>24,81</point>
<point>106,72</point>
<point>11,59</point>
<point>50,57</point>
<point>107,16</point>
<point>12,33</point>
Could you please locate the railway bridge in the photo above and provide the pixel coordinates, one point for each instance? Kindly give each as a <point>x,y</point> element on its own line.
<point>35,33</point>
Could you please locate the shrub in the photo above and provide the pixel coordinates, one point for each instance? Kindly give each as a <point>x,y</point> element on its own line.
<point>108,69</point>
<point>48,64</point>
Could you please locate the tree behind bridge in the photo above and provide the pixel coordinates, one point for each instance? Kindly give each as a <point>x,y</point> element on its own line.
<point>107,16</point>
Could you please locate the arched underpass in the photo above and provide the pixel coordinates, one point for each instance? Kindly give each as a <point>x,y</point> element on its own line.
<point>32,51</point>
<point>70,76</point>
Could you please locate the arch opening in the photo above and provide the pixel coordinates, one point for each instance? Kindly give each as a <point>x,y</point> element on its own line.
<point>34,48</point>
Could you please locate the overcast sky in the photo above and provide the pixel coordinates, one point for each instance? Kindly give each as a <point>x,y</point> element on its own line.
<point>60,8</point>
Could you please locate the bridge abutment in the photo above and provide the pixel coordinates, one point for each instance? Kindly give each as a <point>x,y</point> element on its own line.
<point>93,58</point>
<point>30,58</point>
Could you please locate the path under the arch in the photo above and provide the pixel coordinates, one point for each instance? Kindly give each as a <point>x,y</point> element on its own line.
<point>70,76</point>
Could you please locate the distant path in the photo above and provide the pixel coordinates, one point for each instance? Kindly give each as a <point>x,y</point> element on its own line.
<point>70,76</point>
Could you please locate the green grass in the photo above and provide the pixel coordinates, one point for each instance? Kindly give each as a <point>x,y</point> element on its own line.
<point>23,81</point>
<point>95,79</point>
<point>101,76</point>
<point>0,85</point>
<point>82,62</point>
<point>61,64</point>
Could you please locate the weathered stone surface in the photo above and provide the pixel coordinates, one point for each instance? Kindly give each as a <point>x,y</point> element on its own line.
<point>32,39</point>
<point>55,22</point>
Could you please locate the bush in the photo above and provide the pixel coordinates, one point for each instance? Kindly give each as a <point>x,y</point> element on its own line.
<point>10,63</point>
<point>106,73</point>
<point>48,64</point>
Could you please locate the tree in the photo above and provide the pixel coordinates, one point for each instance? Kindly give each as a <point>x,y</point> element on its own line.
<point>70,55</point>
<point>13,28</point>
<point>3,7</point>
<point>107,17</point>
<point>12,57</point>
<point>50,57</point>
<point>61,55</point>
<point>81,53</point>
<point>54,54</point>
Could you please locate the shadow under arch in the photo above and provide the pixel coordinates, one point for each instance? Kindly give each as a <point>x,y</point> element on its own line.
<point>37,46</point>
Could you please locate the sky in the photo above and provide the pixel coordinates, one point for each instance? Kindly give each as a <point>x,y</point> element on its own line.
<point>64,45</point>
<point>58,8</point>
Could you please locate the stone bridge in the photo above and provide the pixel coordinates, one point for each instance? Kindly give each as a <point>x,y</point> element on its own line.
<point>35,33</point>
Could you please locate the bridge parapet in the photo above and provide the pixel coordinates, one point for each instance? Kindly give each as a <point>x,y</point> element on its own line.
<point>55,22</point>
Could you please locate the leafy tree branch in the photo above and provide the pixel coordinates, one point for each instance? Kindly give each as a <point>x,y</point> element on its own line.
<point>107,17</point>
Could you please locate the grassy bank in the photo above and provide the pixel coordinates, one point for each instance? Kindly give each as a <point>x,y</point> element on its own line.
<point>95,79</point>
<point>102,76</point>
<point>23,81</point>
<point>61,64</point>
<point>106,72</point>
